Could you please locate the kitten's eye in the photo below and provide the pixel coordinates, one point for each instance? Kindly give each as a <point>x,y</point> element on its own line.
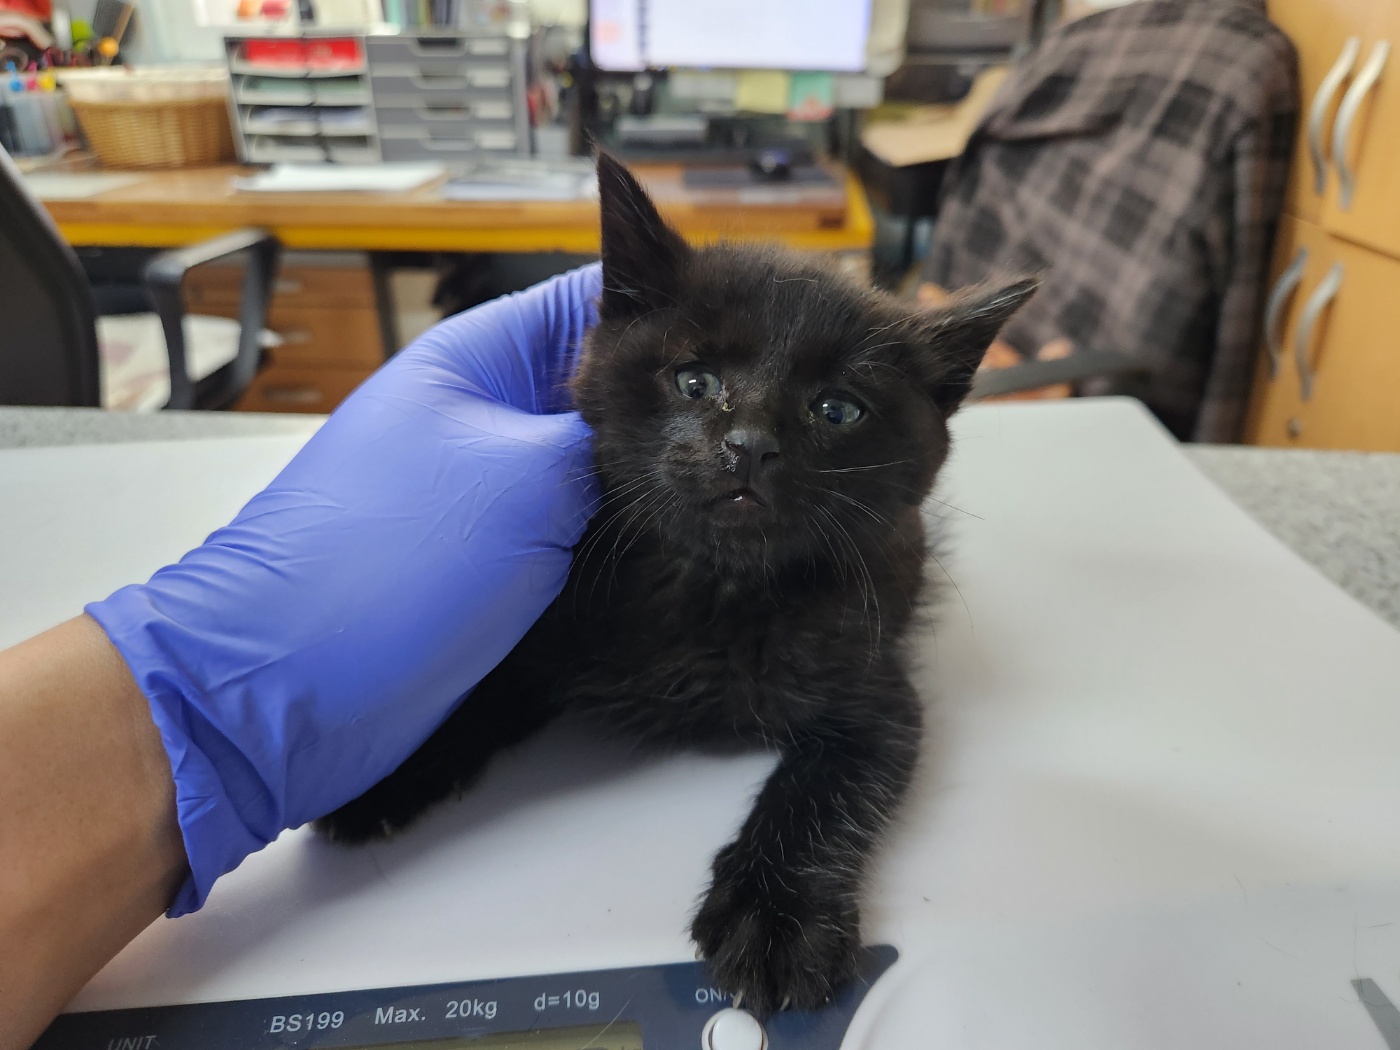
<point>697,381</point>
<point>838,411</point>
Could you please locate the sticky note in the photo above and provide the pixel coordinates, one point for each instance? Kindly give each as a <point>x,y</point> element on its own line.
<point>762,91</point>
<point>812,96</point>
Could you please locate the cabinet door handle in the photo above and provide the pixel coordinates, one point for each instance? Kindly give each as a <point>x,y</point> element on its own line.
<point>1322,100</point>
<point>1323,294</point>
<point>294,336</point>
<point>1284,287</point>
<point>1346,113</point>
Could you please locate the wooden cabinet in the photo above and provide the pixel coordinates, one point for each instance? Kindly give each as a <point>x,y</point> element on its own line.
<point>1333,333</point>
<point>1328,35</point>
<point>326,318</point>
<point>326,337</point>
<point>287,388</point>
<point>1363,200</point>
<point>1277,394</point>
<point>1329,368</point>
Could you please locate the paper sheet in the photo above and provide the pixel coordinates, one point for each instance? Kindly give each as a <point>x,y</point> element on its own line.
<point>762,91</point>
<point>812,96</point>
<point>313,178</point>
<point>524,179</point>
<point>75,185</point>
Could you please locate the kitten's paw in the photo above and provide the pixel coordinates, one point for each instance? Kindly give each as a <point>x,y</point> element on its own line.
<point>792,947</point>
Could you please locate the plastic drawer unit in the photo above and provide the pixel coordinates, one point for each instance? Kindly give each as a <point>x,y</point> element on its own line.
<point>449,96</point>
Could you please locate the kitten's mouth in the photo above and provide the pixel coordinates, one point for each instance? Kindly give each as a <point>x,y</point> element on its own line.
<point>740,497</point>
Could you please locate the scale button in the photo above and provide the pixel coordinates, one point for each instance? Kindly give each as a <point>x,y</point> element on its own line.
<point>733,1030</point>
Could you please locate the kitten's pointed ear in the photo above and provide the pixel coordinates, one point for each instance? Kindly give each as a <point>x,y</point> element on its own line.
<point>642,256</point>
<point>963,328</point>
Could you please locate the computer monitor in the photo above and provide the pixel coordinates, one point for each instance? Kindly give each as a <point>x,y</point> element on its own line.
<point>825,35</point>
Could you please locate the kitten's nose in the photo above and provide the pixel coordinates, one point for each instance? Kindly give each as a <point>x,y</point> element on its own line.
<point>748,447</point>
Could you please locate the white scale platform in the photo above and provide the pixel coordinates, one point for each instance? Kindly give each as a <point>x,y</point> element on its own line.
<point>1160,805</point>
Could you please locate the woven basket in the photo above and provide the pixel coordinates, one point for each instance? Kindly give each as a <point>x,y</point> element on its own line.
<point>153,118</point>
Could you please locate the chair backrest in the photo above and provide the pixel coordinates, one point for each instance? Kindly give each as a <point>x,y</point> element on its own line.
<point>48,329</point>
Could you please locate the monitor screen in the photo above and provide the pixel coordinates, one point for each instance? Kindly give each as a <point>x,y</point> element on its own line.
<point>629,35</point>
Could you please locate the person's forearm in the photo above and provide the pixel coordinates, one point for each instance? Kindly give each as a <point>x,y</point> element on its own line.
<point>90,850</point>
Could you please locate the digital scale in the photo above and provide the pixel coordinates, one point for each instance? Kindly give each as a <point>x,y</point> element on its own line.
<point>1159,806</point>
<point>601,1010</point>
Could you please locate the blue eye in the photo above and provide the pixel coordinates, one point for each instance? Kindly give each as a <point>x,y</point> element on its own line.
<point>697,381</point>
<point>838,411</point>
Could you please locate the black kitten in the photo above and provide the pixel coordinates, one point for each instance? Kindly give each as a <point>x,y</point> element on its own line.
<point>765,434</point>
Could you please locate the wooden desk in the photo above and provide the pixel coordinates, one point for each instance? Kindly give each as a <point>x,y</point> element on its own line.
<point>335,323</point>
<point>168,209</point>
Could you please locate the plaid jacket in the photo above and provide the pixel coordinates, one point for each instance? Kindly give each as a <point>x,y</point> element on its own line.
<point>1140,154</point>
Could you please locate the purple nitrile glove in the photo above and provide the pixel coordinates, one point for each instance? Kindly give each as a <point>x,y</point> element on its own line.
<point>310,646</point>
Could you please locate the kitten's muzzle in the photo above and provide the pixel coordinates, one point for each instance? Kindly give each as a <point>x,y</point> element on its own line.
<point>748,453</point>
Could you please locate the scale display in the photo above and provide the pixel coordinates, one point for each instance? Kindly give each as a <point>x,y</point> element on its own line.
<point>641,1008</point>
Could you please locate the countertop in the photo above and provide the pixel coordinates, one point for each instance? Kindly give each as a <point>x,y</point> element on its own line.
<point>1339,510</point>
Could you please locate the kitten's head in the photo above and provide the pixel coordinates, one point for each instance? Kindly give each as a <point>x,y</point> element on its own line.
<point>754,407</point>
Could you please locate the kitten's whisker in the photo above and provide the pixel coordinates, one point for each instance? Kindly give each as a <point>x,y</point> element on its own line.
<point>866,581</point>
<point>599,528</point>
<point>665,504</point>
<point>637,508</point>
<point>837,561</point>
<point>878,346</point>
<point>872,594</point>
<point>610,501</point>
<point>639,317</point>
<point>612,495</point>
<point>958,509</point>
<point>886,327</point>
<point>868,466</point>
<point>879,519</point>
<point>616,494</point>
<point>821,534</point>
<point>966,608</point>
<point>604,528</point>
<point>640,519</point>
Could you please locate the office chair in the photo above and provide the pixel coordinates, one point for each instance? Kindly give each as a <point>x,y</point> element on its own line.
<point>56,350</point>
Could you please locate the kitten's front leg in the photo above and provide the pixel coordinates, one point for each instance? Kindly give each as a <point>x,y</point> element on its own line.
<point>780,925</point>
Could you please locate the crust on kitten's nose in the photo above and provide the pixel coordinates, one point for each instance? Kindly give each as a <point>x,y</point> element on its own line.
<point>744,448</point>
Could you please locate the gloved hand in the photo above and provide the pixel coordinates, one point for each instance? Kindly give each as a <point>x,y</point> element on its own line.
<point>308,648</point>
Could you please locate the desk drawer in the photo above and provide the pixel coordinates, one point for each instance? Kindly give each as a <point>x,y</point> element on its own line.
<point>479,134</point>
<point>475,144</point>
<point>399,81</point>
<point>326,336</point>
<point>288,388</point>
<point>445,66</point>
<point>416,112</point>
<point>323,286</point>
<point>208,286</point>
<point>414,49</point>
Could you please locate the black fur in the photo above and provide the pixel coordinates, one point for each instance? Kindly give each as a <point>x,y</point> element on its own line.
<point>749,576</point>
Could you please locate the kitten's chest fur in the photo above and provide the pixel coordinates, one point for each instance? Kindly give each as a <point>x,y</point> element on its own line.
<point>670,649</point>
